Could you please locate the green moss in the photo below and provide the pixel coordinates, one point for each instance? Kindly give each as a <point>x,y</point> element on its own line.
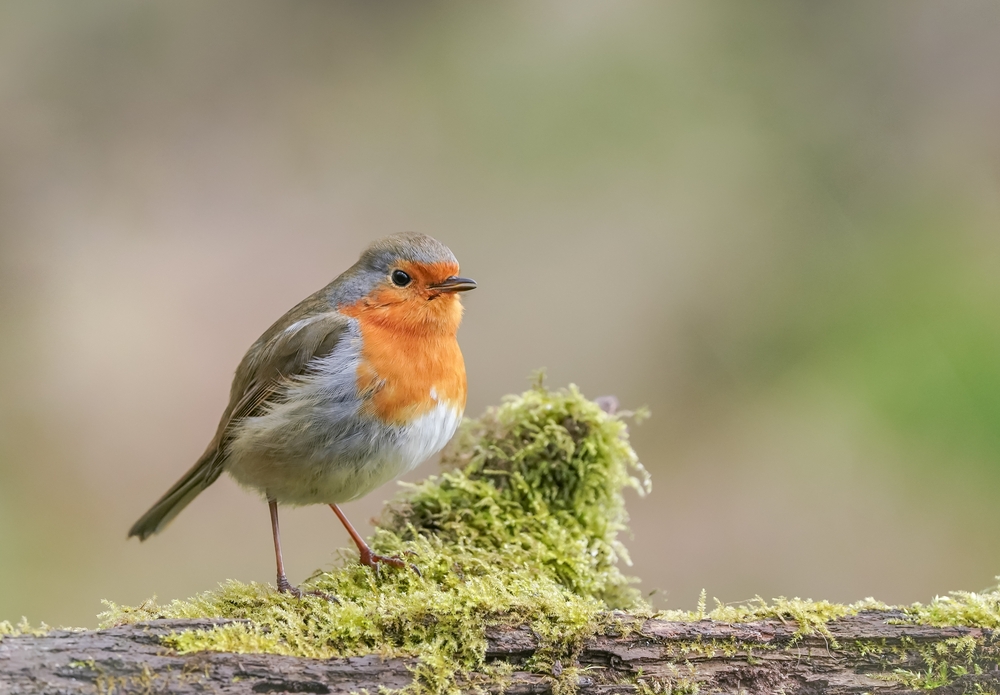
<point>521,527</point>
<point>960,608</point>
<point>681,679</point>
<point>8,629</point>
<point>941,661</point>
<point>809,616</point>
<point>146,681</point>
<point>957,609</point>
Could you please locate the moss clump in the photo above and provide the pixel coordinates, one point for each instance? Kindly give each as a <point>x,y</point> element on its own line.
<point>942,661</point>
<point>536,482</point>
<point>810,616</point>
<point>957,609</point>
<point>967,608</point>
<point>8,629</point>
<point>521,528</point>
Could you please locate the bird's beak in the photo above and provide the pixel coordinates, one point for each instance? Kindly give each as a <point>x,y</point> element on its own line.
<point>454,284</point>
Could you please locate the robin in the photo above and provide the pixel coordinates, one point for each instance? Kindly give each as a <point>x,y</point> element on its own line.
<point>351,388</point>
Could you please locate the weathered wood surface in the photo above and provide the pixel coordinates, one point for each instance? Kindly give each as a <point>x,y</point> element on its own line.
<point>760,657</point>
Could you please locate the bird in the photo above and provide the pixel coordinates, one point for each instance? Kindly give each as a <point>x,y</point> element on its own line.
<point>353,387</point>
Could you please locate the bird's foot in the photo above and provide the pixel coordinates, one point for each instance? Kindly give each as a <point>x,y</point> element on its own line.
<point>284,587</point>
<point>375,561</point>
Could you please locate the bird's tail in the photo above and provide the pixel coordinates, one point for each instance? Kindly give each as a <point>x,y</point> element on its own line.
<point>201,475</point>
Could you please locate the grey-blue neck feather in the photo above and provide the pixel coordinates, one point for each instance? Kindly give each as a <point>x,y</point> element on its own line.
<point>378,260</point>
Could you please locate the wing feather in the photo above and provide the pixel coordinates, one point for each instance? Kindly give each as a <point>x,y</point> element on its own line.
<point>287,350</point>
<point>270,364</point>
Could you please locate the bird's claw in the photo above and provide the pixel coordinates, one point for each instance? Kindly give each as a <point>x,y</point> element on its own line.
<point>323,595</point>
<point>375,561</point>
<point>284,587</point>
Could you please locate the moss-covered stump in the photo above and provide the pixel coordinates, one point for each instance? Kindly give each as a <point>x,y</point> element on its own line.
<point>518,590</point>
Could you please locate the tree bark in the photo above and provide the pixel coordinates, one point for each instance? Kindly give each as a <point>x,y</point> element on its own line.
<point>872,652</point>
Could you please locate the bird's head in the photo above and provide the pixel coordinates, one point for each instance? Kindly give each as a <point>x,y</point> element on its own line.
<point>409,280</point>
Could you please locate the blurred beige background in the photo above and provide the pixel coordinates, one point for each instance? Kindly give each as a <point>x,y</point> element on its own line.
<point>775,224</point>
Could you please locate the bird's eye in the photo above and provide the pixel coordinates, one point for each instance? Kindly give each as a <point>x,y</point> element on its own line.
<point>400,279</point>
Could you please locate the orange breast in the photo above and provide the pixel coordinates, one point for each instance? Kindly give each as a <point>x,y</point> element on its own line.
<point>405,373</point>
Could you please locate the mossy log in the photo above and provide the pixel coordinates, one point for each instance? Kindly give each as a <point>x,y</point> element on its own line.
<point>519,591</point>
<point>871,652</point>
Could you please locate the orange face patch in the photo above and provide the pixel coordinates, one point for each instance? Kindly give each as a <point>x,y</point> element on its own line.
<point>410,350</point>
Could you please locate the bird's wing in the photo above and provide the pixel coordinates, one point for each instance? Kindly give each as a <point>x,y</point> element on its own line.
<point>279,356</point>
<point>284,351</point>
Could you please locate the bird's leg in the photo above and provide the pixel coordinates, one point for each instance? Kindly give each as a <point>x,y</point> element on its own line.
<point>368,556</point>
<point>283,585</point>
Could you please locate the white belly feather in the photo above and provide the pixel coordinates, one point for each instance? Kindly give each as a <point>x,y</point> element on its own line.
<point>324,477</point>
<point>428,434</point>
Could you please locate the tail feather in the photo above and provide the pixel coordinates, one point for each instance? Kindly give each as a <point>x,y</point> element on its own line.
<point>201,475</point>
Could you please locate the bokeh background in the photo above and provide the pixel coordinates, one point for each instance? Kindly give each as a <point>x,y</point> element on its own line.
<point>775,224</point>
